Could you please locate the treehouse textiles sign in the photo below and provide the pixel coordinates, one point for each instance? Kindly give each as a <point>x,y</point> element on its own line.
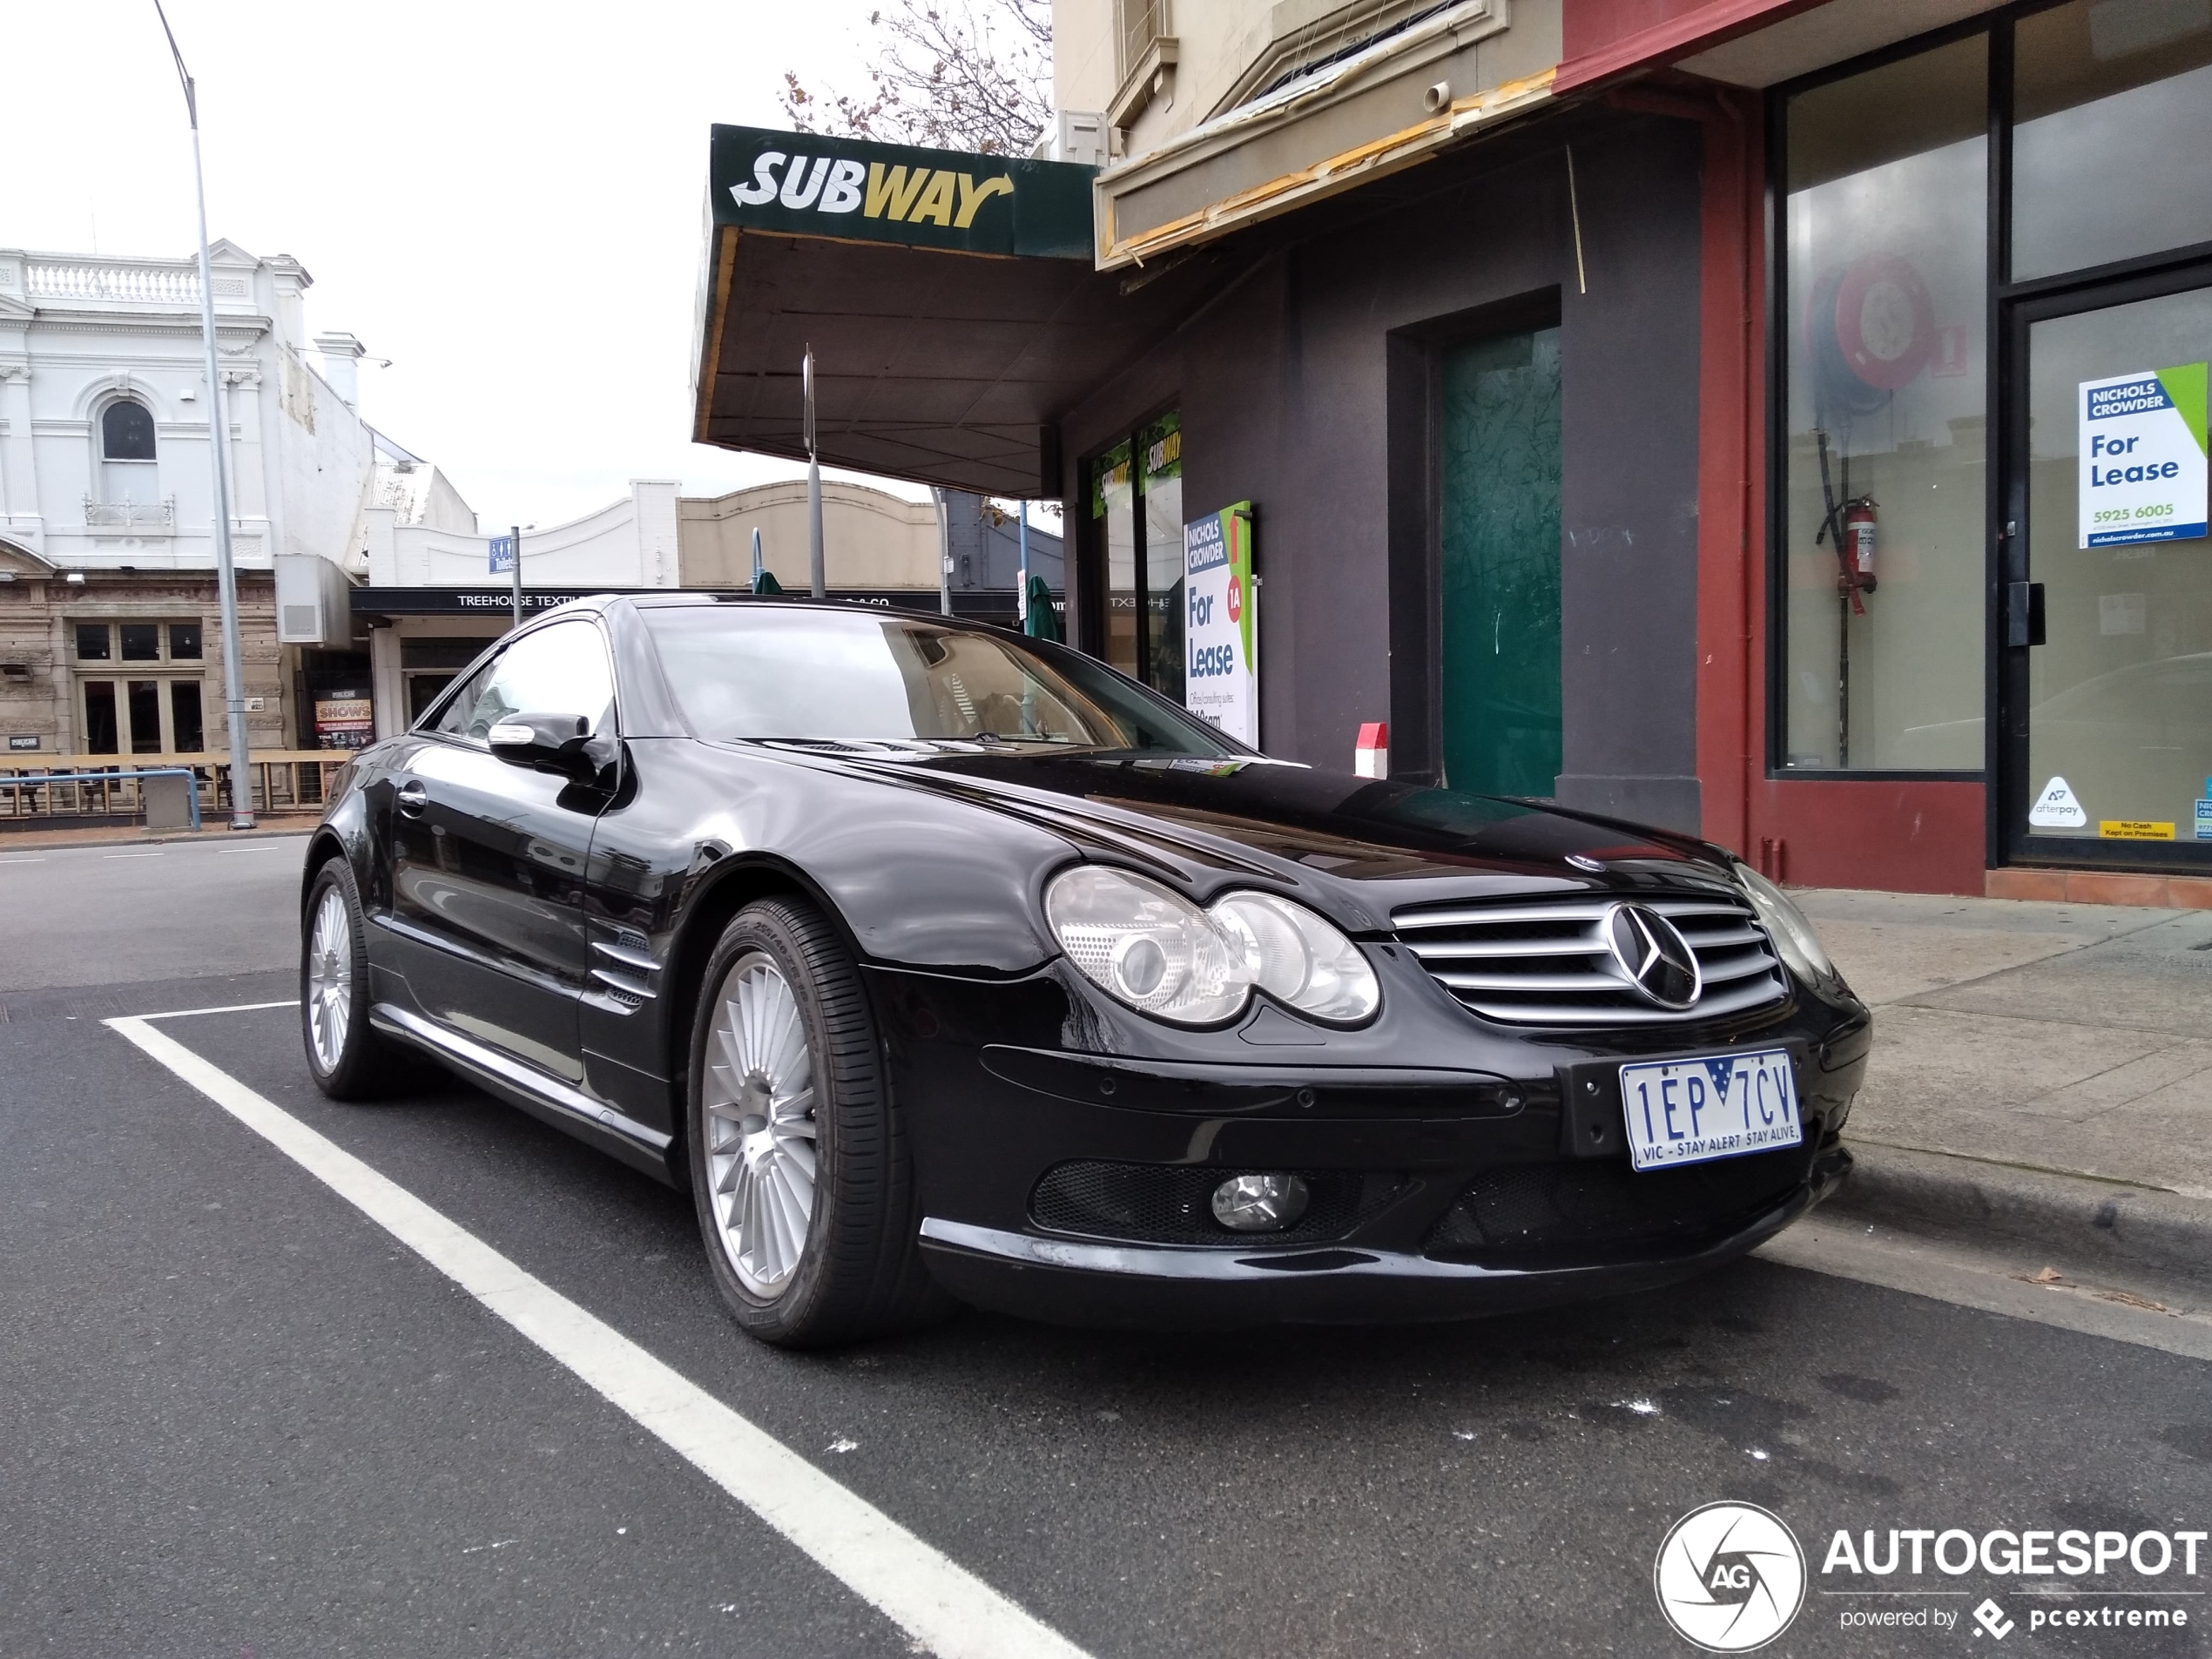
<point>803,185</point>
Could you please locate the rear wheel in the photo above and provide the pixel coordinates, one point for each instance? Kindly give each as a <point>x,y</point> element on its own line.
<point>805,1187</point>
<point>348,1060</point>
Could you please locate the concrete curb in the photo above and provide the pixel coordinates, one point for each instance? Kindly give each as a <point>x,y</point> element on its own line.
<point>2065,1217</point>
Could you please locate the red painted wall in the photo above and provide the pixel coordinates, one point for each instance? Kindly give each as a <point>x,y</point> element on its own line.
<point>1906,837</point>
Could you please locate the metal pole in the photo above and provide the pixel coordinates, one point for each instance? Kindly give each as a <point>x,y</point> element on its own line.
<point>814,485</point>
<point>756,556</point>
<point>518,575</point>
<point>945,559</point>
<point>1021,603</point>
<point>218,433</point>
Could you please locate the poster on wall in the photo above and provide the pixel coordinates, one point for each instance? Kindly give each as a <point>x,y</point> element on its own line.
<point>2142,457</point>
<point>344,721</point>
<point>1221,624</point>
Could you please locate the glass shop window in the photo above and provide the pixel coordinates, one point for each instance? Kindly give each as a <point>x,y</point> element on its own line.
<point>187,721</point>
<point>1136,499</point>
<point>1113,502</point>
<point>2112,110</point>
<point>1160,455</point>
<point>162,712</point>
<point>1885,228</point>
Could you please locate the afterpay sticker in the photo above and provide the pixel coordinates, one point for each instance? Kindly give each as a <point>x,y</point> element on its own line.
<point>2056,808</point>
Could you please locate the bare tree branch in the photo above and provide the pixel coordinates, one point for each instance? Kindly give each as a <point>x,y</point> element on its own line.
<point>950,74</point>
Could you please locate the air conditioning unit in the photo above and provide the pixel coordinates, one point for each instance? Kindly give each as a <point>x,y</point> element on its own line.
<point>1079,136</point>
<point>314,603</point>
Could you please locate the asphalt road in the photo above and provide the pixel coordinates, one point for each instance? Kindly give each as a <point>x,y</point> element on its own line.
<point>122,913</point>
<point>245,1419</point>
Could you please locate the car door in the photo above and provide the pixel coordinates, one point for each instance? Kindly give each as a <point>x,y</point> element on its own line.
<point>488,857</point>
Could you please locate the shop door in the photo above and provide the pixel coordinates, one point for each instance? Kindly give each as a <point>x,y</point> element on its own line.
<point>2107,619</point>
<point>1499,519</point>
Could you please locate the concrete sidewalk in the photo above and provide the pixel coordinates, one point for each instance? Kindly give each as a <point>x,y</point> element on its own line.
<point>2042,1073</point>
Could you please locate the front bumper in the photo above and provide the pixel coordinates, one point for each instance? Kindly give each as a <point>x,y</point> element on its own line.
<point>1454,1145</point>
<point>1072,1282</point>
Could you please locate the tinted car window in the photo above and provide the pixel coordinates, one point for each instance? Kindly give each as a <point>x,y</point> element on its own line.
<point>773,673</point>
<point>561,669</point>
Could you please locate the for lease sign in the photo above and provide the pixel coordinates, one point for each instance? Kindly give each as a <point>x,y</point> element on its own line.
<point>1221,631</point>
<point>2142,456</point>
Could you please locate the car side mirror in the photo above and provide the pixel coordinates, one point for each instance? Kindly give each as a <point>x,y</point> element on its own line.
<point>559,744</point>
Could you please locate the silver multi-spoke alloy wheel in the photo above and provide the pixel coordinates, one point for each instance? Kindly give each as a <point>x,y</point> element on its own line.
<point>330,978</point>
<point>758,1100</point>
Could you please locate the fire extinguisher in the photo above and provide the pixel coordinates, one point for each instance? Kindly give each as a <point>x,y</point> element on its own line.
<point>1858,542</point>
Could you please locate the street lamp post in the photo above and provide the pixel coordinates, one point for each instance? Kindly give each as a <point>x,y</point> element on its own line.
<point>217,438</point>
<point>813,483</point>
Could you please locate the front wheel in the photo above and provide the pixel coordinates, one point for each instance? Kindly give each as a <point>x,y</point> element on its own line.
<point>805,1187</point>
<point>348,1060</point>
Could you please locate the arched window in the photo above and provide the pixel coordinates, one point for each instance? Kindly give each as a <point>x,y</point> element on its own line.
<point>126,432</point>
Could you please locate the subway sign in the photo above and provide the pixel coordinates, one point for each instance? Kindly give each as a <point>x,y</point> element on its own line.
<point>803,185</point>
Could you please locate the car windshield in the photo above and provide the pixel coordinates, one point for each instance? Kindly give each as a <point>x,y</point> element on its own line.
<point>799,674</point>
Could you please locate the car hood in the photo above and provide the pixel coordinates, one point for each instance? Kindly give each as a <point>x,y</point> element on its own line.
<point>1295,823</point>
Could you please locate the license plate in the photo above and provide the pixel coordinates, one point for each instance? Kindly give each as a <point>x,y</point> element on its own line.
<point>1692,1111</point>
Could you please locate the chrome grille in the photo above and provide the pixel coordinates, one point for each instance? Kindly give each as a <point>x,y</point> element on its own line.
<point>1547,963</point>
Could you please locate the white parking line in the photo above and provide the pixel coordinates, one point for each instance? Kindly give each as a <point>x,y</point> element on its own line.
<point>130,855</point>
<point>21,860</point>
<point>939,1603</point>
<point>234,1008</point>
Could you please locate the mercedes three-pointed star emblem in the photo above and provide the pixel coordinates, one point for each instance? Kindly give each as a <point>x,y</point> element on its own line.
<point>1654,955</point>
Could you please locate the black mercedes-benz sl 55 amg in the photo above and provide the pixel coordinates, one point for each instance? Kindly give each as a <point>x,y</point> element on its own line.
<point>942,964</point>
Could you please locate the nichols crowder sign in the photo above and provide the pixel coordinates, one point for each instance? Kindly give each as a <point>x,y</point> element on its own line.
<point>807,186</point>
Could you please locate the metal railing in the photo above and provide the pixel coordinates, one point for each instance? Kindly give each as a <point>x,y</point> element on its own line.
<point>107,779</point>
<point>163,282</point>
<point>128,515</point>
<point>62,787</point>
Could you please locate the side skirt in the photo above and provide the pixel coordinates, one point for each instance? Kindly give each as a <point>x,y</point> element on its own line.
<point>546,1098</point>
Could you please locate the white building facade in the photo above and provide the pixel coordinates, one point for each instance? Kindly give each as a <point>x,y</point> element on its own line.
<point>109,633</point>
<point>109,615</point>
<point>432,601</point>
<point>105,413</point>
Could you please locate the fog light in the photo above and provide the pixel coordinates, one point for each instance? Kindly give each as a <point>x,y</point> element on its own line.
<point>1259,1203</point>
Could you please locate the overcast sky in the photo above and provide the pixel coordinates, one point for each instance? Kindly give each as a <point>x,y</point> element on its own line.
<point>505,199</point>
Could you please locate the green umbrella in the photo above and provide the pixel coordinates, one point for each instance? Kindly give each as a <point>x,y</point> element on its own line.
<point>766,582</point>
<point>1043,621</point>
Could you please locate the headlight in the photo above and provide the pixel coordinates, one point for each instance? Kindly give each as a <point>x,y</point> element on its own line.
<point>1147,947</point>
<point>1786,925</point>
<point>1294,955</point>
<point>1154,950</point>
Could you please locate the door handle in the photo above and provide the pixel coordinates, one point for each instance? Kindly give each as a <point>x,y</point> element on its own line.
<point>413,798</point>
<point>2023,613</point>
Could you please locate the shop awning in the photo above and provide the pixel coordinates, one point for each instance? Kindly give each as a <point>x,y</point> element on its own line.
<point>951,299</point>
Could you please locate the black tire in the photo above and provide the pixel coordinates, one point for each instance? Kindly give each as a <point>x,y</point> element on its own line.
<point>363,1065</point>
<point>859,1273</point>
